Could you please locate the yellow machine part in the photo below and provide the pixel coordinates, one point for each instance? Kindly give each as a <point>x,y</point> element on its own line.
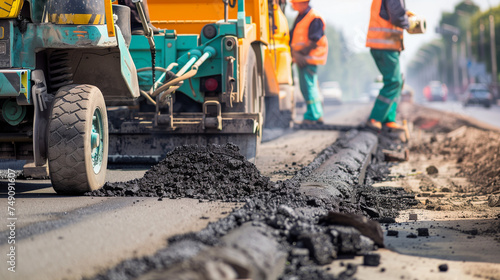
<point>280,47</point>
<point>108,12</point>
<point>10,8</point>
<point>277,59</point>
<point>189,16</point>
<point>79,19</point>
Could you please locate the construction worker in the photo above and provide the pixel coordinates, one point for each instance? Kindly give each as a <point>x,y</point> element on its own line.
<point>309,49</point>
<point>388,20</point>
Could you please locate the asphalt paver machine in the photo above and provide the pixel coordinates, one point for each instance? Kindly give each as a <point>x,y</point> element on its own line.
<point>79,90</point>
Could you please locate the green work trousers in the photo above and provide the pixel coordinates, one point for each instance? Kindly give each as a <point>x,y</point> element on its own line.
<point>308,79</point>
<point>384,109</point>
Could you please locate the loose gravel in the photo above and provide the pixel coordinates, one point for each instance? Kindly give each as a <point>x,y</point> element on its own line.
<point>296,221</point>
<point>191,171</point>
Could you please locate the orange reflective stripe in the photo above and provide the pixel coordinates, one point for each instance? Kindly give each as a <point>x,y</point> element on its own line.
<point>301,40</point>
<point>385,99</point>
<point>389,30</point>
<point>316,59</point>
<point>382,34</point>
<point>298,45</point>
<point>380,41</point>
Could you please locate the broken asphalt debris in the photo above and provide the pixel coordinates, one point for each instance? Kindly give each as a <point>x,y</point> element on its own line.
<point>431,170</point>
<point>371,259</point>
<point>285,230</point>
<point>443,267</point>
<point>423,231</point>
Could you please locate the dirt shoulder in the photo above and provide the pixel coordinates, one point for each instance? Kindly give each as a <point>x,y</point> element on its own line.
<point>283,157</point>
<point>454,167</point>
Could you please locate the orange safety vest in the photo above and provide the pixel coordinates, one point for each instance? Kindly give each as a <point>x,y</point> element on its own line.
<point>301,40</point>
<point>382,34</point>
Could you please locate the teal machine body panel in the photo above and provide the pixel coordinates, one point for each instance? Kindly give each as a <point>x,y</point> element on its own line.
<point>37,57</point>
<point>89,47</point>
<point>178,50</point>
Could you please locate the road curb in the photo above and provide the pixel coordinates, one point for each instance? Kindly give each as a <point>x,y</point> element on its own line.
<point>332,174</point>
<point>247,252</point>
<point>252,249</point>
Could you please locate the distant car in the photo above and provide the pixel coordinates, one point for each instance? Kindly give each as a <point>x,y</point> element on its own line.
<point>436,91</point>
<point>478,94</point>
<point>331,92</point>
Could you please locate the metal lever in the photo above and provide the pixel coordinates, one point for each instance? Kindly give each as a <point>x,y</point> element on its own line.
<point>226,10</point>
<point>147,29</point>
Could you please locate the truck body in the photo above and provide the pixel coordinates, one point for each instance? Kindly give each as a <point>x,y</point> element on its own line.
<point>67,65</point>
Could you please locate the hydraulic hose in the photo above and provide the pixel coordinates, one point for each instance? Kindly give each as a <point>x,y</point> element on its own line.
<point>173,84</point>
<point>161,69</point>
<point>194,63</point>
<point>146,95</point>
<point>188,65</point>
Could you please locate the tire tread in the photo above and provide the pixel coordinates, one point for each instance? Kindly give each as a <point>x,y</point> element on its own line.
<point>66,154</point>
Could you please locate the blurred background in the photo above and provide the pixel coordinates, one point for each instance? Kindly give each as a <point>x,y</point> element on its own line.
<point>455,60</point>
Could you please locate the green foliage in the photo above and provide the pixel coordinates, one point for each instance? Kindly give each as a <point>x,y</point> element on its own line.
<point>461,16</point>
<point>444,55</point>
<point>481,46</point>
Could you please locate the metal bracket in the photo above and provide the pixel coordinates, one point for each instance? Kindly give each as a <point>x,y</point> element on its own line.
<point>162,119</point>
<point>211,119</point>
<point>229,95</point>
<point>42,102</point>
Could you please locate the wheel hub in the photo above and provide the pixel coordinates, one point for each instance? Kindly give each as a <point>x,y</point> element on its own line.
<point>96,141</point>
<point>13,113</point>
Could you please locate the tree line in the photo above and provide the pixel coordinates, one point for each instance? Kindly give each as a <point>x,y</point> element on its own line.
<point>462,55</point>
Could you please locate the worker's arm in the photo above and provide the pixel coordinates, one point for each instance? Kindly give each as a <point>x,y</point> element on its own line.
<point>316,30</point>
<point>395,12</point>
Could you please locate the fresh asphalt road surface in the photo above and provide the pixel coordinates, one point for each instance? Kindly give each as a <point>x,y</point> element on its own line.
<point>487,115</point>
<point>340,113</point>
<point>66,237</point>
<point>70,237</point>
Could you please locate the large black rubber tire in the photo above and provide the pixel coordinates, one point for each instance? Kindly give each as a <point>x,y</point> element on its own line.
<point>253,88</point>
<point>252,99</point>
<point>69,145</point>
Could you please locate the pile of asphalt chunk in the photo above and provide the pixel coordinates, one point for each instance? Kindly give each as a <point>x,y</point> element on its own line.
<point>288,217</point>
<point>192,171</point>
<point>292,225</point>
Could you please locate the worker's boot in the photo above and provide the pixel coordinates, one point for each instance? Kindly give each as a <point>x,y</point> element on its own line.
<point>311,122</point>
<point>373,125</point>
<point>395,129</point>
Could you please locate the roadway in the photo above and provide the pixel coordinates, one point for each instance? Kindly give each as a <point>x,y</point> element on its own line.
<point>70,237</point>
<point>490,116</point>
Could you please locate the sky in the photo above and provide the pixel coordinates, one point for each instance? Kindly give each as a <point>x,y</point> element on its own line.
<point>352,17</point>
